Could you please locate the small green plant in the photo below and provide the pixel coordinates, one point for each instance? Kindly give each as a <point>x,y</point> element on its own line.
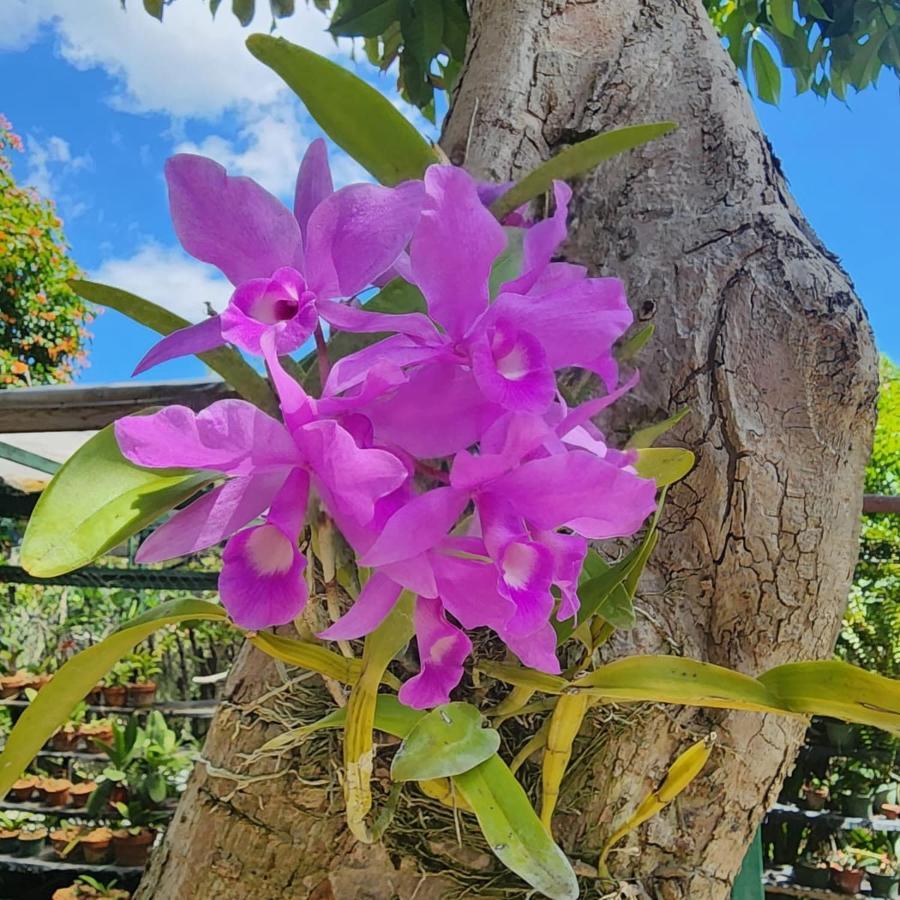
<point>120,674</point>
<point>88,887</point>
<point>145,665</point>
<point>854,777</point>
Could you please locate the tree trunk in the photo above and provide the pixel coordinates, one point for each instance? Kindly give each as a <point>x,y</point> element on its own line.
<point>759,332</point>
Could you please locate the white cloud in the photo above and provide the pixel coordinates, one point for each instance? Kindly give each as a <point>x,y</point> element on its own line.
<point>169,277</point>
<point>49,161</point>
<point>189,65</point>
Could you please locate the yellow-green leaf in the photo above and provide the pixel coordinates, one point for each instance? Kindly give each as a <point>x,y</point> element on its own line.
<point>448,740</point>
<point>224,361</point>
<point>309,655</point>
<point>55,701</point>
<point>576,160</point>
<point>96,501</point>
<point>522,677</point>
<point>513,830</point>
<point>664,464</point>
<point>646,437</point>
<point>356,116</point>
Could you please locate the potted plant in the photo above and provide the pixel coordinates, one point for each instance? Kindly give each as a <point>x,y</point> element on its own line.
<point>853,785</point>
<point>812,870</point>
<point>114,685</point>
<point>145,666</point>
<point>65,842</point>
<point>814,794</point>
<point>841,736</point>
<point>88,888</point>
<point>10,823</point>
<point>23,788</point>
<point>96,730</point>
<point>884,877</point>
<point>96,846</point>
<point>80,793</point>
<point>12,685</point>
<point>32,837</point>
<point>56,791</point>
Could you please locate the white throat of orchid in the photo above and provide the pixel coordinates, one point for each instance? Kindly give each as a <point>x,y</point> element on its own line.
<point>268,551</point>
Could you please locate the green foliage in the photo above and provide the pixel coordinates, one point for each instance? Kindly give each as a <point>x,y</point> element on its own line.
<point>870,636</point>
<point>42,335</point>
<point>828,45</point>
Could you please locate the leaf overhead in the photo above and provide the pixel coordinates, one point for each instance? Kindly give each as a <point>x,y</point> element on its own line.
<point>576,160</point>
<point>353,114</point>
<point>97,500</point>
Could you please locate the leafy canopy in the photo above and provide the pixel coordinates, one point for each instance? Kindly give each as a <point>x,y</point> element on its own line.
<point>828,45</point>
<point>42,337</point>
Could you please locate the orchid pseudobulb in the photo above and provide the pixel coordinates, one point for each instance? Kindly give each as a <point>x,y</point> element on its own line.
<point>445,453</point>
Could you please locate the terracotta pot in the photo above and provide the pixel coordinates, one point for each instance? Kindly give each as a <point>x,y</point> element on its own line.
<point>12,685</point>
<point>22,790</point>
<point>31,843</point>
<point>94,696</point>
<point>80,793</point>
<point>115,695</point>
<point>891,810</point>
<point>133,849</point>
<point>95,846</point>
<point>56,791</point>
<point>142,695</point>
<point>66,740</point>
<point>61,839</point>
<point>118,794</point>
<point>92,733</point>
<point>40,681</point>
<point>9,841</point>
<point>847,881</point>
<point>66,893</point>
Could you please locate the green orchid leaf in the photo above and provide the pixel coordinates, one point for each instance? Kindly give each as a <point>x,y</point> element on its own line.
<point>664,464</point>
<point>70,685</point>
<point>308,655</point>
<point>356,116</point>
<point>632,346</point>
<point>508,265</point>
<point>513,830</point>
<point>646,437</point>
<point>224,361</point>
<point>97,500</point>
<point>523,677</point>
<point>576,160</point>
<point>447,741</point>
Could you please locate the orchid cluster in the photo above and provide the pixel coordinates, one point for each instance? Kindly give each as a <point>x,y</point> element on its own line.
<point>444,452</point>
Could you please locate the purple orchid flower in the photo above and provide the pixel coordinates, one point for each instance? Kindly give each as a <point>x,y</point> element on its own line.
<point>481,357</point>
<point>283,265</point>
<point>269,465</point>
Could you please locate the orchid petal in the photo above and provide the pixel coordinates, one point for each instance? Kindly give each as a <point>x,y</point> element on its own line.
<point>416,527</point>
<point>414,574</point>
<point>443,649</point>
<point>541,241</point>
<point>297,407</point>
<point>511,369</point>
<point>438,411</point>
<point>454,248</point>
<point>468,589</point>
<point>357,233</point>
<point>230,436</point>
<point>280,304</point>
<point>369,610</point>
<point>212,517</point>
<point>361,321</point>
<point>536,650</point>
<point>576,324</point>
<point>205,335</point>
<point>569,551</point>
<point>313,183</point>
<point>605,500</point>
<point>229,221</point>
<point>349,478</point>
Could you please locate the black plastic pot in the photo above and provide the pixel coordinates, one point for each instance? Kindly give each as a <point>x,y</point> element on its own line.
<point>884,885</point>
<point>812,876</point>
<point>857,805</point>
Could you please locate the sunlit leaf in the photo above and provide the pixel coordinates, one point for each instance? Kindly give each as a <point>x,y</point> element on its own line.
<point>54,703</point>
<point>664,464</point>
<point>647,436</point>
<point>576,160</point>
<point>96,501</point>
<point>356,116</point>
<point>308,655</point>
<point>448,740</point>
<point>766,73</point>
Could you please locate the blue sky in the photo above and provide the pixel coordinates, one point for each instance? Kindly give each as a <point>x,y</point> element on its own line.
<point>102,97</point>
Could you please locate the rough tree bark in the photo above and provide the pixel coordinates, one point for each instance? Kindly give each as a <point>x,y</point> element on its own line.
<point>758,330</point>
